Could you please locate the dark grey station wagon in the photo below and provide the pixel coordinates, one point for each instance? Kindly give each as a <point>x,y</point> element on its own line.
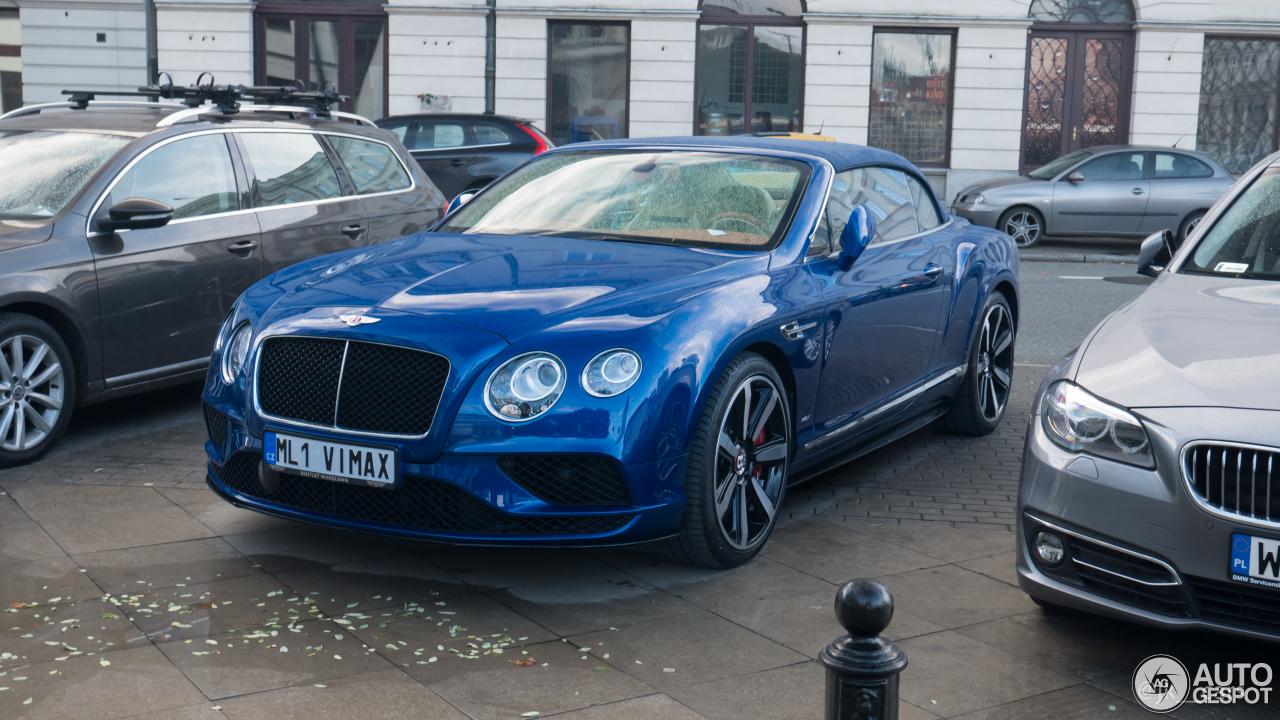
<point>127,230</point>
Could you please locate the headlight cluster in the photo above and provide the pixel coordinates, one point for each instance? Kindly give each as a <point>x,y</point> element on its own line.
<point>236,352</point>
<point>527,386</point>
<point>1076,420</point>
<point>973,199</point>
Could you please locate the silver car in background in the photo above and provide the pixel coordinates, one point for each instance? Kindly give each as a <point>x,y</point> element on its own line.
<point>1150,486</point>
<point>1110,190</point>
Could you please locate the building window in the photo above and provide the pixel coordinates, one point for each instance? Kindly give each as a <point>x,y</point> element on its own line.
<point>348,51</point>
<point>1239,100</point>
<point>589,77</point>
<point>750,66</point>
<point>10,61</point>
<point>911,83</point>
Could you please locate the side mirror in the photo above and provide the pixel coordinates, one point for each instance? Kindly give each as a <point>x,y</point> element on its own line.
<point>1156,252</point>
<point>136,214</point>
<point>856,236</point>
<point>1075,177</point>
<point>459,201</point>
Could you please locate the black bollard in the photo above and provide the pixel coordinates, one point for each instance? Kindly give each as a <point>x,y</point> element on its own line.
<point>862,667</point>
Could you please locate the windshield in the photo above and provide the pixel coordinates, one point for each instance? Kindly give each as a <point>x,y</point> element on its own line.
<point>42,171</point>
<point>693,199</point>
<point>1245,241</point>
<point>1050,171</point>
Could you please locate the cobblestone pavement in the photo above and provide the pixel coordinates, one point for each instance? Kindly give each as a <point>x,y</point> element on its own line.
<point>129,590</point>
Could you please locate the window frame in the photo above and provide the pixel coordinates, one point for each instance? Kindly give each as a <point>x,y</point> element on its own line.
<point>1151,163</point>
<point>835,237</point>
<point>954,33</point>
<point>626,102</point>
<point>751,22</point>
<point>1275,139</point>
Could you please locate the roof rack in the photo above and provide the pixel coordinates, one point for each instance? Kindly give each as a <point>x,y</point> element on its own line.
<point>77,105</point>
<point>191,113</point>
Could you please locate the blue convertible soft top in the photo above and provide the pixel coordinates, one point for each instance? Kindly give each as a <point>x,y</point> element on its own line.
<point>842,156</point>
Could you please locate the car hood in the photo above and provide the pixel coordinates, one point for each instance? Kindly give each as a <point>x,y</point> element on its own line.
<point>1189,341</point>
<point>997,182</point>
<point>511,286</point>
<point>20,233</point>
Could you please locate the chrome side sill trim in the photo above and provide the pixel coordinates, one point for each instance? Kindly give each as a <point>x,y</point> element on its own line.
<point>905,397</point>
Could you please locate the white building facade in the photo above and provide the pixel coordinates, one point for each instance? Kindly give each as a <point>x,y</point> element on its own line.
<point>964,89</point>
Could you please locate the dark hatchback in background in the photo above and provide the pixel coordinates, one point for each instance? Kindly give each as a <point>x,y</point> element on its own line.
<point>462,151</point>
<point>127,230</point>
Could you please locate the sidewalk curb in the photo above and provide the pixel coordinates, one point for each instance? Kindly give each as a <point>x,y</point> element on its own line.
<point>1059,256</point>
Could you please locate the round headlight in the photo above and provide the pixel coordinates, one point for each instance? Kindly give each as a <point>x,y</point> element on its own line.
<point>524,387</point>
<point>611,372</point>
<point>237,352</point>
<point>1050,548</point>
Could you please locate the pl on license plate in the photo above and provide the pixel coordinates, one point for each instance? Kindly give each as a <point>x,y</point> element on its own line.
<point>1255,560</point>
<point>366,465</point>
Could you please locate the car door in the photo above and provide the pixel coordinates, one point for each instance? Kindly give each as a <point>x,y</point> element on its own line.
<point>1111,198</point>
<point>393,206</point>
<point>444,151</point>
<point>881,315</point>
<point>495,153</point>
<point>1180,184</point>
<point>303,208</point>
<point>163,292</point>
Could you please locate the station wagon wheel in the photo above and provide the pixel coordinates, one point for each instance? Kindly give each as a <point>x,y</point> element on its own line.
<point>736,476</point>
<point>984,394</point>
<point>36,388</point>
<point>1025,225</point>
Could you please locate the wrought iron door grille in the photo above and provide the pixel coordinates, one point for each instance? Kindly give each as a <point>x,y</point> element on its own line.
<point>420,503</point>
<point>1095,12</point>
<point>1100,112</point>
<point>348,385</point>
<point>1235,479</point>
<point>1046,100</point>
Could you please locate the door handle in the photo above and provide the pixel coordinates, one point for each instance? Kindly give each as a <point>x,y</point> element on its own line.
<point>242,246</point>
<point>1137,191</point>
<point>458,162</point>
<point>352,231</point>
<point>795,331</point>
<point>932,271</point>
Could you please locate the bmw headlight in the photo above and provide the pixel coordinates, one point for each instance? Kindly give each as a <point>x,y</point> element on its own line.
<point>525,387</point>
<point>236,352</point>
<point>611,372</point>
<point>1076,420</point>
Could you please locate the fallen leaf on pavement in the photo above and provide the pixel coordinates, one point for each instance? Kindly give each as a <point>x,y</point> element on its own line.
<point>526,662</point>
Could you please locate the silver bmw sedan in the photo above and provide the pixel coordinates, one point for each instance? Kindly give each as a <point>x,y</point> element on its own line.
<point>1111,190</point>
<point>1150,484</point>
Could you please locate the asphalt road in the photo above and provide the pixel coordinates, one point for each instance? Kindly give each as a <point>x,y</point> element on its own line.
<point>1062,302</point>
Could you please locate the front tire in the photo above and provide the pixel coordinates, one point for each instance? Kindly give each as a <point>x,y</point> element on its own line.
<point>37,388</point>
<point>1025,225</point>
<point>737,472</point>
<point>1189,225</point>
<point>988,379</point>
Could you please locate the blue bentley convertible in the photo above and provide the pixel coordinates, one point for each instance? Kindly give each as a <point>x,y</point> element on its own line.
<point>618,342</point>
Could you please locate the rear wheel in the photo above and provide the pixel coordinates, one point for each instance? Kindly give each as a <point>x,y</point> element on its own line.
<point>988,379</point>
<point>1189,225</point>
<point>37,388</point>
<point>737,470</point>
<point>1025,225</point>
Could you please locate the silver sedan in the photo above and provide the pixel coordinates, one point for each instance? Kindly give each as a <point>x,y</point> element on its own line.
<point>1112,190</point>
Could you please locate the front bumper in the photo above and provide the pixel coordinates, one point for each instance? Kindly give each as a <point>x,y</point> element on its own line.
<point>1138,547</point>
<point>458,498</point>
<point>984,215</point>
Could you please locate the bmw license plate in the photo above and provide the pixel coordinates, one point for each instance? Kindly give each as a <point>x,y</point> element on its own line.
<point>366,465</point>
<point>1255,560</point>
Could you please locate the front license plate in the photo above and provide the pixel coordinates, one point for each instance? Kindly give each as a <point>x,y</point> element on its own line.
<point>366,465</point>
<point>1255,560</point>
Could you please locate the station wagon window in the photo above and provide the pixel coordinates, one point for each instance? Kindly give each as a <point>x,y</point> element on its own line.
<point>372,166</point>
<point>1116,166</point>
<point>1177,165</point>
<point>436,136</point>
<point>487,134</point>
<point>886,193</point>
<point>194,176</point>
<point>290,168</point>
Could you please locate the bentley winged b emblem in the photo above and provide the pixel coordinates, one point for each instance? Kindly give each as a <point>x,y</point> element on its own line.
<point>354,320</point>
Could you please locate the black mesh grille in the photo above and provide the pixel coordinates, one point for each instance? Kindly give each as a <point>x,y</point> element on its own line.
<point>217,424</point>
<point>421,503</point>
<point>384,389</point>
<point>1234,479</point>
<point>390,389</point>
<point>298,378</point>
<point>1237,605</point>
<point>568,480</point>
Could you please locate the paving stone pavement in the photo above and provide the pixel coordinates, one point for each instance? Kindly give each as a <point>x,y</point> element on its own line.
<point>130,590</point>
